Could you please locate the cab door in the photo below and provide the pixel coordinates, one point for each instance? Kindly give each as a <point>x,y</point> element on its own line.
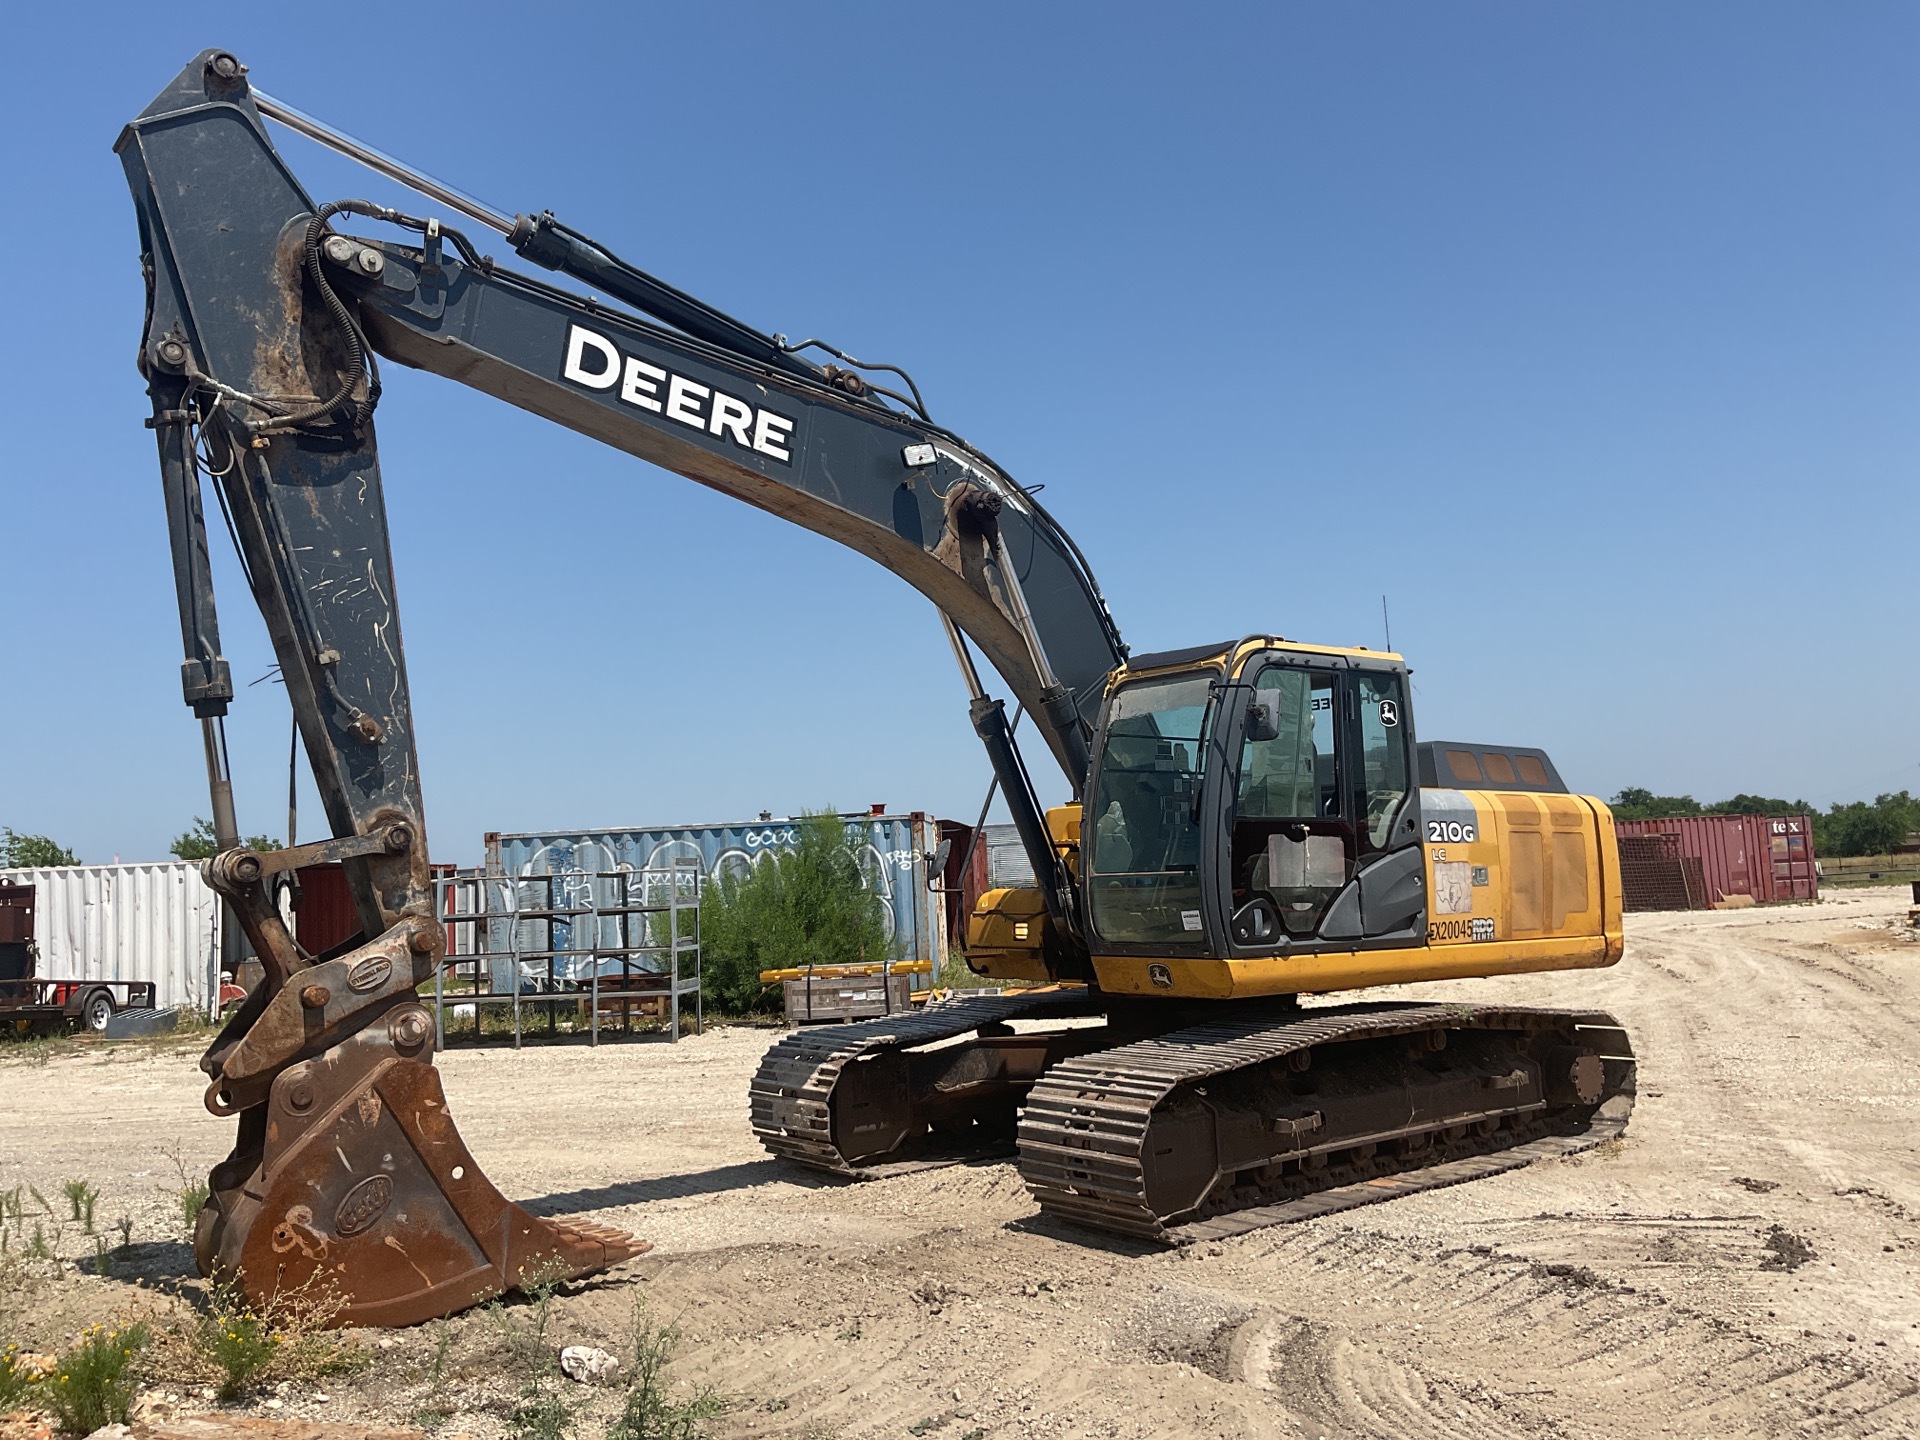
<point>1387,901</point>
<point>1320,835</point>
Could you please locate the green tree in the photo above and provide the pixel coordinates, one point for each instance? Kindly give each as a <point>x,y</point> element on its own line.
<point>811,905</point>
<point>199,844</point>
<point>1745,804</point>
<point>1633,804</point>
<point>1860,828</point>
<point>29,852</point>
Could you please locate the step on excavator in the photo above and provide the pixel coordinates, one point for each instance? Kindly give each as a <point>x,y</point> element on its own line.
<point>1249,822</point>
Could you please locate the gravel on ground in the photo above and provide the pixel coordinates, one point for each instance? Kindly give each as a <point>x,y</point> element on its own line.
<point>1745,1261</point>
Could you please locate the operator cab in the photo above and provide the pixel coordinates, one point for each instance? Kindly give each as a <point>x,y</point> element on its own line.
<point>1252,799</point>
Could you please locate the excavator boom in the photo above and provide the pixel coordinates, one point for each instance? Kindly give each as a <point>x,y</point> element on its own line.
<point>263,333</point>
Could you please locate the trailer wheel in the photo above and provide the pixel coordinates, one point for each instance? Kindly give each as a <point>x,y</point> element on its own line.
<point>97,1011</point>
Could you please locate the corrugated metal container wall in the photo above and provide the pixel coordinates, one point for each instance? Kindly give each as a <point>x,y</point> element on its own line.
<point>894,847</point>
<point>157,922</point>
<point>1769,857</point>
<point>1790,857</point>
<point>1007,864</point>
<point>999,862</point>
<point>325,916</point>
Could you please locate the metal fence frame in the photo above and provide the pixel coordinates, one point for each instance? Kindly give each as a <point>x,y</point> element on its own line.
<point>490,922</point>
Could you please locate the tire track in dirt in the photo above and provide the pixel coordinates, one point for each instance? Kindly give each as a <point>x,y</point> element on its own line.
<point>1053,1341</point>
<point>1459,1343</point>
<point>1335,1332</point>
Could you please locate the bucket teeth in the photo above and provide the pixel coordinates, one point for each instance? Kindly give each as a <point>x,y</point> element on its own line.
<point>353,1189</point>
<point>596,1247</point>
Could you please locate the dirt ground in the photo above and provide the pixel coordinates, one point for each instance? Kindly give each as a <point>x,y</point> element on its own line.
<point>1746,1261</point>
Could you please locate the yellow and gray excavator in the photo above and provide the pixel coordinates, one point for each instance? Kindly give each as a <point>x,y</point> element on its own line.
<point>1249,822</point>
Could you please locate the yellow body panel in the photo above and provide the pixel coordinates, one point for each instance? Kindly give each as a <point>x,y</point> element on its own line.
<point>1341,969</point>
<point>1006,934</point>
<point>1515,883</point>
<point>1063,828</point>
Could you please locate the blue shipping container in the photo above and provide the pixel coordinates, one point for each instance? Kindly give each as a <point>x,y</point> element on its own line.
<point>893,850</point>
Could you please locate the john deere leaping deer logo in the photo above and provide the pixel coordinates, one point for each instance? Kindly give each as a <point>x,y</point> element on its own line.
<point>363,1204</point>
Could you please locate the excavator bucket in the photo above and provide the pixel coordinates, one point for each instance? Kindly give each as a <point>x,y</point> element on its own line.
<point>352,1186</point>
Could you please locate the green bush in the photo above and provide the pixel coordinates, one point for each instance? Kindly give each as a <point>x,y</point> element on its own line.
<point>238,1342</point>
<point>192,1194</point>
<point>649,1412</point>
<point>543,1408</point>
<point>192,1200</point>
<point>93,1383</point>
<point>82,1197</point>
<point>16,1379</point>
<point>811,905</point>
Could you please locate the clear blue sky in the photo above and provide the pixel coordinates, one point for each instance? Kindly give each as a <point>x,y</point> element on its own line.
<point>1587,334</point>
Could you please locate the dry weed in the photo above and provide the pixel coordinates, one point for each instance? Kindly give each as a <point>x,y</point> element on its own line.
<point>237,1346</point>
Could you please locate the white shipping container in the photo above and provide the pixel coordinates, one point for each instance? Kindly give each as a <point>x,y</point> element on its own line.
<point>158,922</point>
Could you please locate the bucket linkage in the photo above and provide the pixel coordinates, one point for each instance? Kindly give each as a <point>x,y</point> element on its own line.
<point>349,1181</point>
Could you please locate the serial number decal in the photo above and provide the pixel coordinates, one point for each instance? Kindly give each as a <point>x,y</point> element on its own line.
<point>597,363</point>
<point>1480,928</point>
<point>1450,832</point>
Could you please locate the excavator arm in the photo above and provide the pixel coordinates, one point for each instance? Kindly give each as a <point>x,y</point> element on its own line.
<point>264,328</point>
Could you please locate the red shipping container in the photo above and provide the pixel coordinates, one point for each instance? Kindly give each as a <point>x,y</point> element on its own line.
<point>326,915</point>
<point>1769,857</point>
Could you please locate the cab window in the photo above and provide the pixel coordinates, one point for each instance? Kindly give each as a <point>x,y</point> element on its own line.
<point>1292,842</point>
<point>1143,854</point>
<point>1383,754</point>
<point>1293,775</point>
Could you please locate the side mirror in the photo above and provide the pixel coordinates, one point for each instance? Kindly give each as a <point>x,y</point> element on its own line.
<point>1260,721</point>
<point>937,864</point>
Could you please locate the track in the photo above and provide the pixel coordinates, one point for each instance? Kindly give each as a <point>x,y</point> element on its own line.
<point>791,1092</point>
<point>1084,1131</point>
<point>1083,1135</point>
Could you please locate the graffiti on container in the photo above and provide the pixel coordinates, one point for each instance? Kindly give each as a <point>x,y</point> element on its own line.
<point>887,850</point>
